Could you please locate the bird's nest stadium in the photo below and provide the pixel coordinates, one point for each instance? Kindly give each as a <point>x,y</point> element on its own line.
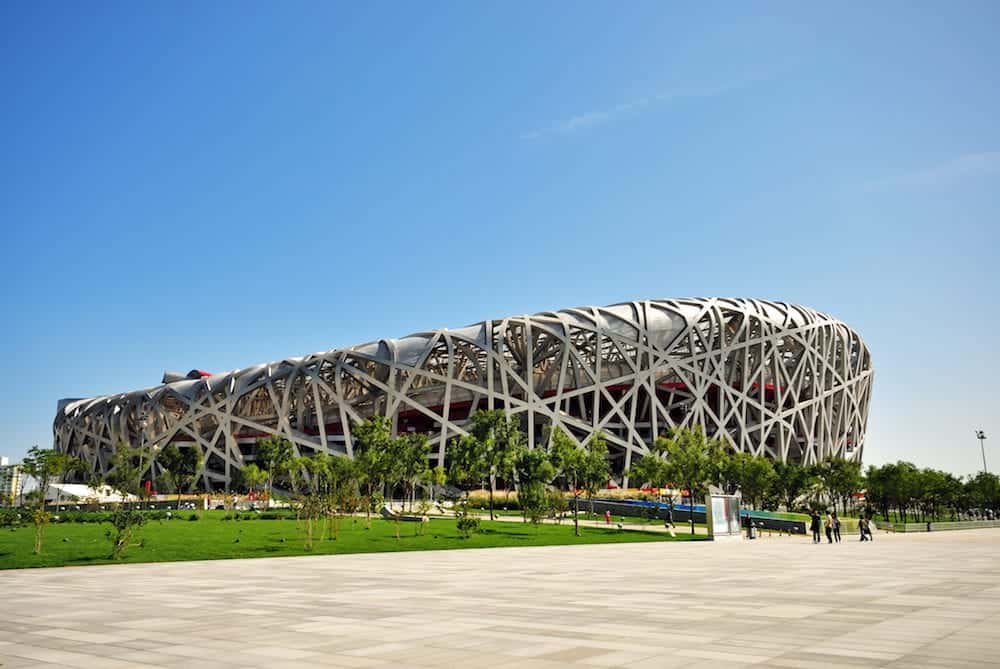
<point>767,377</point>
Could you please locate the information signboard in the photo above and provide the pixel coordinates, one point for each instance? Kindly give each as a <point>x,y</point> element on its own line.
<point>723,516</point>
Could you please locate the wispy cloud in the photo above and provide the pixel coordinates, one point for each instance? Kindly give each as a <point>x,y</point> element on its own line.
<point>947,173</point>
<point>597,117</point>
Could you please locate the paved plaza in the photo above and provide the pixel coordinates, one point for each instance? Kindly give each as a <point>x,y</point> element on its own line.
<point>923,600</point>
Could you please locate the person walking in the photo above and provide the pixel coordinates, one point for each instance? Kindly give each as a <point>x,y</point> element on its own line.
<point>868,528</point>
<point>814,526</point>
<point>668,521</point>
<point>829,528</point>
<point>836,527</point>
<point>863,528</point>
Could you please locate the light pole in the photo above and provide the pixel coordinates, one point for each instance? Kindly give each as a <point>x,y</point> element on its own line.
<point>981,436</point>
<point>142,447</point>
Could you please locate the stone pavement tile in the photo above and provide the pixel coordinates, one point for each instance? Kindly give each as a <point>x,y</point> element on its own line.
<point>672,661</point>
<point>808,660</point>
<point>926,662</point>
<point>535,663</point>
<point>449,658</point>
<point>66,658</point>
<point>845,651</point>
<point>577,653</point>
<point>14,662</point>
<point>386,648</point>
<point>554,600</point>
<point>724,656</point>
<point>281,652</point>
<point>337,660</point>
<point>619,658</point>
<point>45,641</point>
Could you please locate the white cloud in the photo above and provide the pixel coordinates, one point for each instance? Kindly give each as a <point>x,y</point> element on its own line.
<point>597,117</point>
<point>956,170</point>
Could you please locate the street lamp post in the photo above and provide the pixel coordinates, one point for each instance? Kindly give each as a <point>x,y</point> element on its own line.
<point>981,436</point>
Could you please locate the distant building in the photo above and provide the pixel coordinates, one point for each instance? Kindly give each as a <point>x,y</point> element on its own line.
<point>11,482</point>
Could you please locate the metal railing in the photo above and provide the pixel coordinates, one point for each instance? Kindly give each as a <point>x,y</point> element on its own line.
<point>940,526</point>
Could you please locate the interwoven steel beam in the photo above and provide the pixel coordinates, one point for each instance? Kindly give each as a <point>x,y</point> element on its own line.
<point>768,377</point>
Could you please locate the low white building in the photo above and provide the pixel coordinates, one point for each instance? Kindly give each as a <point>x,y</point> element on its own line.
<point>79,493</point>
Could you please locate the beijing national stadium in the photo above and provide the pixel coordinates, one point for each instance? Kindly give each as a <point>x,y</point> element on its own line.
<point>767,377</point>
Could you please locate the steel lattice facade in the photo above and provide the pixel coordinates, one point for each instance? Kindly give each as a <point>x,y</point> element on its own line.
<point>768,377</point>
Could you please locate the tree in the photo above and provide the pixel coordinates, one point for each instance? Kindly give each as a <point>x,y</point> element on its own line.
<point>841,478</point>
<point>68,464</point>
<point>253,477</point>
<point>313,500</point>
<point>436,478</point>
<point>465,470</point>
<point>596,468</point>
<point>273,455</point>
<point>534,472</point>
<point>501,442</point>
<point>984,490</point>
<point>125,475</point>
<point>395,463</point>
<point>756,476</point>
<point>415,451</point>
<point>689,459</point>
<point>727,470</point>
<point>372,442</point>
<point>341,491</point>
<point>570,462</point>
<point>181,467</point>
<point>791,480</point>
<point>44,466</point>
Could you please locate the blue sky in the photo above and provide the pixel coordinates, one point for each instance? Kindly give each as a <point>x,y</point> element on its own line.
<point>215,185</point>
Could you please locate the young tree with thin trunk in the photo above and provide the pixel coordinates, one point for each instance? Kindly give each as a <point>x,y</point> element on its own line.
<point>416,453</point>
<point>501,442</point>
<point>791,480</point>
<point>535,472</point>
<point>465,471</point>
<point>273,455</point>
<point>44,466</point>
<point>181,467</point>
<point>596,468</point>
<point>689,456</point>
<point>128,464</point>
<point>569,460</point>
<point>372,442</point>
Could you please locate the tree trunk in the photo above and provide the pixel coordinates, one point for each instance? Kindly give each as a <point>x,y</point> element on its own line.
<point>576,509</point>
<point>368,506</point>
<point>691,508</point>
<point>493,482</point>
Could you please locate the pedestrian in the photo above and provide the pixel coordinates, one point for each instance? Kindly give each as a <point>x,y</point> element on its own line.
<point>869,524</point>
<point>607,517</point>
<point>863,528</point>
<point>829,528</point>
<point>668,518</point>
<point>836,527</point>
<point>814,526</point>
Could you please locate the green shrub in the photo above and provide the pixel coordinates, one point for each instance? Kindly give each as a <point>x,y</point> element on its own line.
<point>467,525</point>
<point>194,516</point>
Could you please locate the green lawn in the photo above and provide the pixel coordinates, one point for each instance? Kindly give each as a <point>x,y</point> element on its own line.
<point>212,538</point>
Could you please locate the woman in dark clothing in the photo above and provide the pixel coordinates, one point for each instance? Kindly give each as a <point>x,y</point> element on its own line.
<point>814,526</point>
<point>829,528</point>
<point>836,527</point>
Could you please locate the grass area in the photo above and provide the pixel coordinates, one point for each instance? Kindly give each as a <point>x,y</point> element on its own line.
<point>213,538</point>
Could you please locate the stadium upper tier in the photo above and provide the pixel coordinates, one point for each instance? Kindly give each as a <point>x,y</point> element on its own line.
<point>768,377</point>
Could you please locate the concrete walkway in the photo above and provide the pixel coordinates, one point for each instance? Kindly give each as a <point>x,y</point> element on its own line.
<point>922,600</point>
